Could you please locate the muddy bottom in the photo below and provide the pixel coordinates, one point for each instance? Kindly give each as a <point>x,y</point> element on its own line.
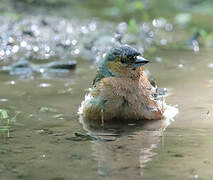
<point>48,142</point>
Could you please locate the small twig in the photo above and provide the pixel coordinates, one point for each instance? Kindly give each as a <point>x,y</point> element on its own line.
<point>102,118</point>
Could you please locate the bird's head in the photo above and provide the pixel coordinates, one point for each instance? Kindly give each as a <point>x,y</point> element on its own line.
<point>121,60</point>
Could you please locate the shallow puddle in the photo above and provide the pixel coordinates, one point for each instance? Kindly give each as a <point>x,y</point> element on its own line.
<point>48,142</point>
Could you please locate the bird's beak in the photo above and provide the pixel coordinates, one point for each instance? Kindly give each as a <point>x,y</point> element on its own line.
<point>140,61</point>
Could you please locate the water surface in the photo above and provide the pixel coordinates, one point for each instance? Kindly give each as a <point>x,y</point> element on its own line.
<point>41,144</point>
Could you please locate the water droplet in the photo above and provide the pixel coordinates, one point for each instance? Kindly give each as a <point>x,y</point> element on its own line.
<point>69,29</point>
<point>104,55</point>
<point>92,26</point>
<point>131,124</point>
<point>195,45</point>
<point>196,176</point>
<point>122,27</point>
<point>158,59</point>
<point>47,55</point>
<point>77,51</point>
<point>149,40</point>
<point>163,42</point>
<point>23,44</point>
<point>11,82</point>
<point>210,65</point>
<point>180,65</point>
<point>151,34</point>
<point>47,48</point>
<point>7,52</point>
<point>183,18</point>
<point>11,40</point>
<point>34,27</point>
<point>3,100</point>
<point>97,59</point>
<point>29,47</point>
<point>41,70</point>
<point>196,49</point>
<point>15,49</point>
<point>168,27</point>
<point>45,85</point>
<point>69,89</point>
<point>35,48</point>
<point>84,30</point>
<point>2,53</point>
<point>145,27</point>
<point>67,42</point>
<point>74,42</point>
<point>158,23</point>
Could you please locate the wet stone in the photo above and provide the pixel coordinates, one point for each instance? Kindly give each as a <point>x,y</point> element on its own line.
<point>69,65</point>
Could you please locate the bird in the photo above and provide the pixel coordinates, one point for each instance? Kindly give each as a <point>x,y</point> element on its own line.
<point>121,90</point>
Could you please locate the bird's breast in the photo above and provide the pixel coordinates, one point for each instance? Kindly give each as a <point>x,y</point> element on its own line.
<point>123,98</point>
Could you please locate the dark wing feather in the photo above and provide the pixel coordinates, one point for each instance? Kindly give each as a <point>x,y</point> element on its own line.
<point>97,78</point>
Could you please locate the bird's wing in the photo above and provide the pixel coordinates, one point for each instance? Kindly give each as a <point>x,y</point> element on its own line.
<point>97,78</point>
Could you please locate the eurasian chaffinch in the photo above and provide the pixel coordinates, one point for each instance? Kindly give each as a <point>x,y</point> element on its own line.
<point>121,90</point>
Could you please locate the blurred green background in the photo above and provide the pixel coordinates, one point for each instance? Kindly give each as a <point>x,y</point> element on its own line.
<point>197,12</point>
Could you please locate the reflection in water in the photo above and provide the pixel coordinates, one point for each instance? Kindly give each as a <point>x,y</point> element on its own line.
<point>127,154</point>
<point>123,150</point>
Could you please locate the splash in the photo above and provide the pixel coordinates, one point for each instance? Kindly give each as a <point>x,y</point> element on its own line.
<point>169,113</point>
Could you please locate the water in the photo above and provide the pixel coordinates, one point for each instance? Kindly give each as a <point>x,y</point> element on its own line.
<point>41,146</point>
<point>47,141</point>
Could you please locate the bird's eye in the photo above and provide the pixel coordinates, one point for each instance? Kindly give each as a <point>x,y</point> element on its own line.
<point>123,60</point>
<point>131,59</point>
<point>128,59</point>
